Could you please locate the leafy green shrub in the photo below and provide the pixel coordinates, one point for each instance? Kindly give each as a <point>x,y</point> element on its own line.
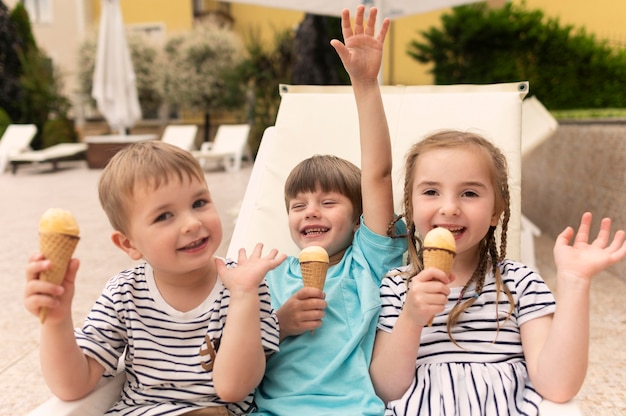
<point>198,70</point>
<point>11,43</point>
<point>37,95</point>
<point>58,130</point>
<point>5,121</point>
<point>263,71</point>
<point>567,68</point>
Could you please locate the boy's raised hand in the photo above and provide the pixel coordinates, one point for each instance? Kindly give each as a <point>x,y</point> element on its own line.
<point>39,294</point>
<point>250,271</point>
<point>362,51</point>
<point>584,259</point>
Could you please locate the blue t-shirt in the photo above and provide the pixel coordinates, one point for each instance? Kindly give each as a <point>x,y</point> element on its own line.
<point>327,372</point>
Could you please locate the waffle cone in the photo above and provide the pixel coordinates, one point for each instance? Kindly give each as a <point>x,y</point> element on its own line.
<point>438,258</point>
<point>314,273</point>
<point>58,248</point>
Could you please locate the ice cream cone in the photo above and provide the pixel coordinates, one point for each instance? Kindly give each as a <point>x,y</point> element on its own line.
<point>58,237</point>
<point>314,265</point>
<point>439,251</point>
<point>439,258</point>
<point>314,274</point>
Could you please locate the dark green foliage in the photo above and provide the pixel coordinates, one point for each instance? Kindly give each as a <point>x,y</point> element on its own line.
<point>58,130</point>
<point>20,18</point>
<point>29,88</point>
<point>40,88</point>
<point>263,71</point>
<point>5,121</point>
<point>315,61</point>
<point>567,68</point>
<point>10,68</point>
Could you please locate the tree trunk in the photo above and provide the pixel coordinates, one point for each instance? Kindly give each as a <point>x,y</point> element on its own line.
<point>207,125</point>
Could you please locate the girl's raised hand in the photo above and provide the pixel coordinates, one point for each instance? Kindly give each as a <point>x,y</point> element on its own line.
<point>584,259</point>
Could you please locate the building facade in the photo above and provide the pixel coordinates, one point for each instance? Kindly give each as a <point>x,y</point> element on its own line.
<point>60,26</point>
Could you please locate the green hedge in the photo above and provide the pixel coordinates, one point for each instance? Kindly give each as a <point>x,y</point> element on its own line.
<point>58,130</point>
<point>566,67</point>
<point>5,121</point>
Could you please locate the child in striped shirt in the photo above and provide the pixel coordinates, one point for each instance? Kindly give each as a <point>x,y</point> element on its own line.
<point>192,330</point>
<point>498,343</point>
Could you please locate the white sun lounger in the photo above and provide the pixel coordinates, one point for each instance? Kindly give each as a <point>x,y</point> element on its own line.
<point>15,140</point>
<point>53,155</point>
<point>318,120</point>
<point>182,135</point>
<point>228,147</point>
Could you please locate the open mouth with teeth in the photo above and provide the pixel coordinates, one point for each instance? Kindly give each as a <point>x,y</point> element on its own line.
<point>195,245</point>
<point>311,232</point>
<point>456,231</point>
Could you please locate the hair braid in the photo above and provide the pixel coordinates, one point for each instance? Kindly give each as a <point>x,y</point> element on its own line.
<point>490,256</point>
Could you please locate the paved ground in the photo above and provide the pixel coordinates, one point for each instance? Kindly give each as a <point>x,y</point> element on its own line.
<point>26,195</point>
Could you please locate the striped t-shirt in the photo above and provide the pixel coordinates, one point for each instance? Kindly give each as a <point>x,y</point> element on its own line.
<point>486,373</point>
<point>161,345</point>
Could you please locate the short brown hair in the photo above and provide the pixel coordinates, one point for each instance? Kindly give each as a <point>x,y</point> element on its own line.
<point>327,173</point>
<point>150,163</point>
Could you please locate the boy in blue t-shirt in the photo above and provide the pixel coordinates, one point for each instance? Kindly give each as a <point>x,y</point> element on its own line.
<point>327,337</point>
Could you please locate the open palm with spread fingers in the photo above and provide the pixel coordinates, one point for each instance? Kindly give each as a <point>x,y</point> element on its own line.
<point>584,258</point>
<point>362,51</point>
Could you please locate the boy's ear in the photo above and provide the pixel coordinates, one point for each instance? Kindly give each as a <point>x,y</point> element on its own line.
<point>124,243</point>
<point>357,224</point>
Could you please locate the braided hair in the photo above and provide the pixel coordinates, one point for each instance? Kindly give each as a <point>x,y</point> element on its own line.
<point>490,255</point>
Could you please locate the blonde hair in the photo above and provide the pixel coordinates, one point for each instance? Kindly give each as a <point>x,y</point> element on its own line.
<point>329,174</point>
<point>148,163</point>
<point>490,256</point>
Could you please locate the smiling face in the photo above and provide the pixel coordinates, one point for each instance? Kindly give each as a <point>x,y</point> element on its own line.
<point>322,218</point>
<point>174,226</point>
<point>324,202</point>
<point>453,188</point>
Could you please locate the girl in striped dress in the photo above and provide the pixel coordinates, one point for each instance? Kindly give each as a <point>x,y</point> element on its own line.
<point>498,343</point>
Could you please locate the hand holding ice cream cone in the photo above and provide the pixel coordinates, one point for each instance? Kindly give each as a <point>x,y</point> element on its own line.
<point>439,251</point>
<point>314,263</point>
<point>58,237</point>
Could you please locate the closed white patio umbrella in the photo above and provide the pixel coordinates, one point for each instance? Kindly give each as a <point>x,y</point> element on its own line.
<point>114,86</point>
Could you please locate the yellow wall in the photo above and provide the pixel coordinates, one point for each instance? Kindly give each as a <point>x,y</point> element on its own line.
<point>264,20</point>
<point>176,15</point>
<point>398,67</point>
<point>604,18</point>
